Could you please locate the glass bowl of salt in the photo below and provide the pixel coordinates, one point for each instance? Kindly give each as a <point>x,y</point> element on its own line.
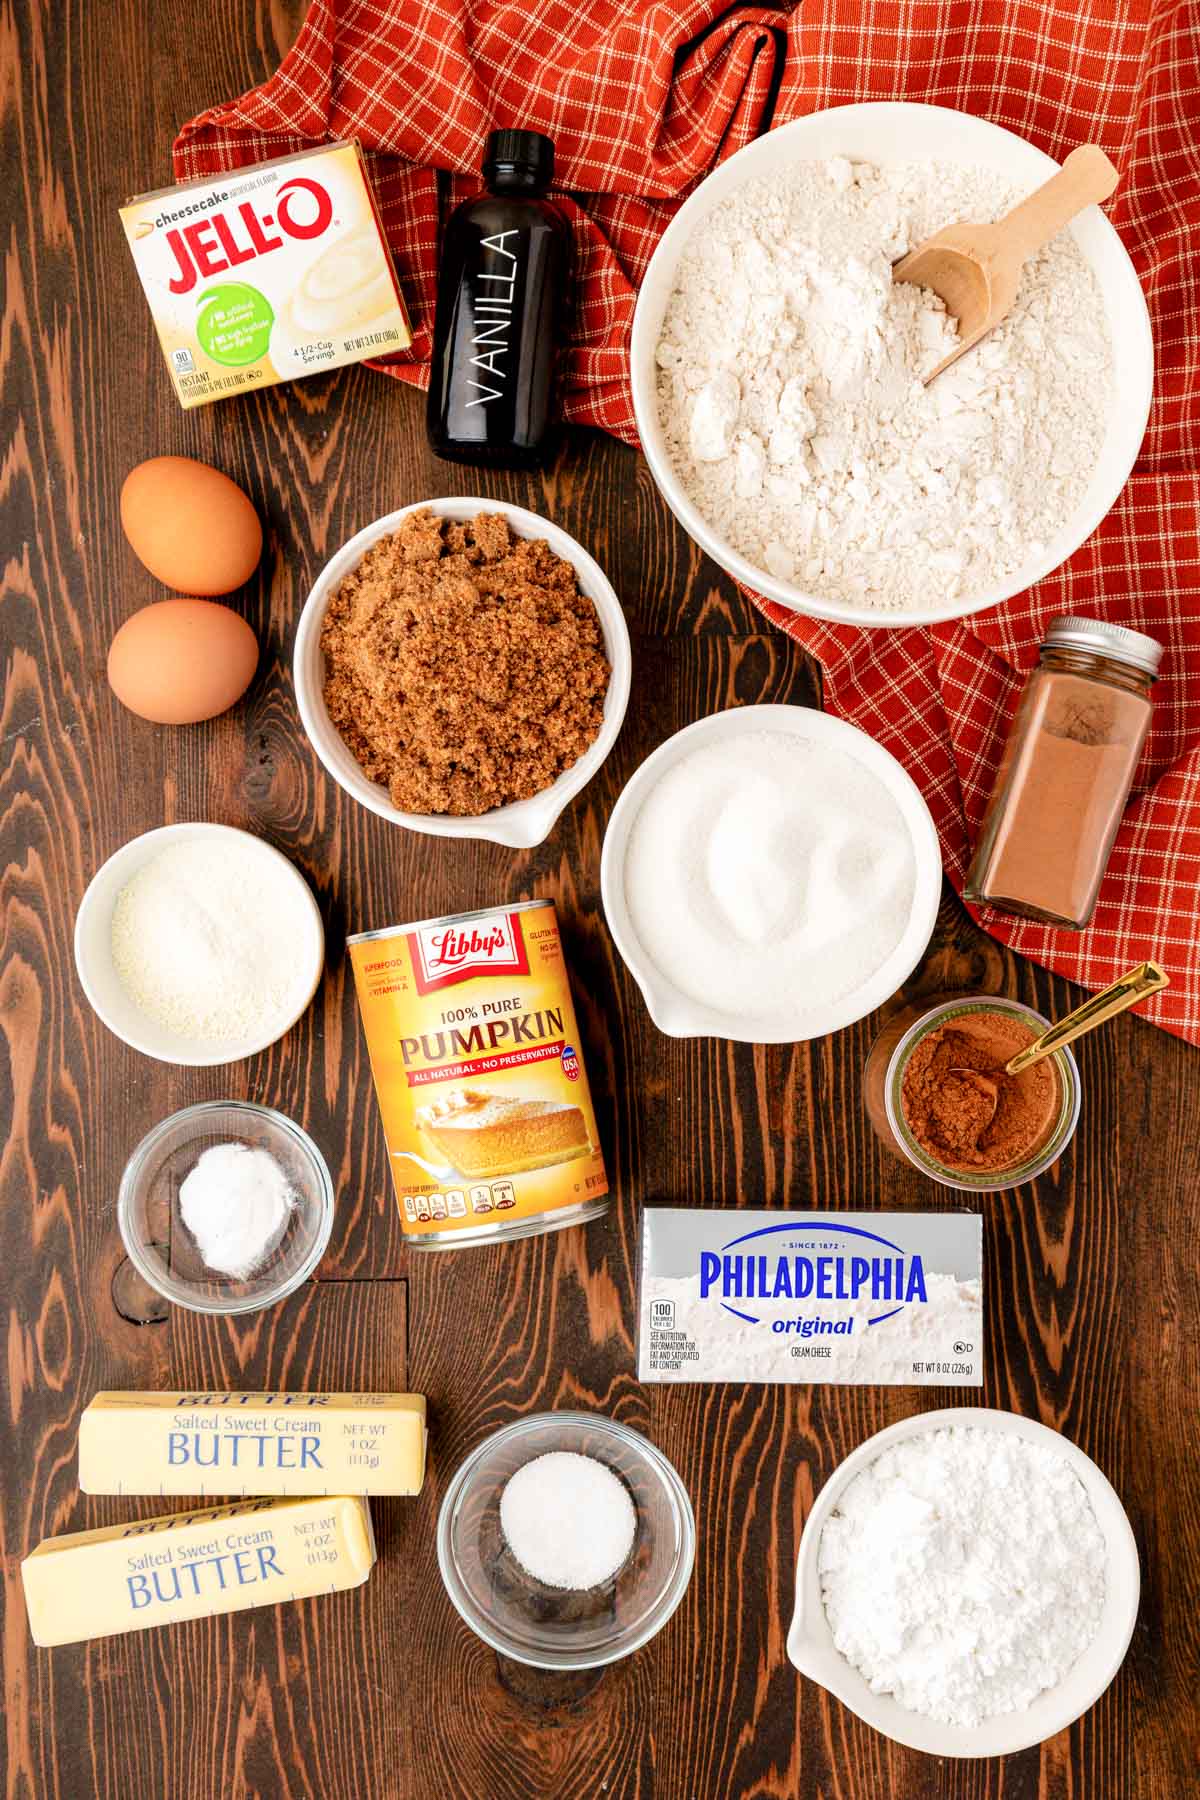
<point>225,1207</point>
<point>566,1540</point>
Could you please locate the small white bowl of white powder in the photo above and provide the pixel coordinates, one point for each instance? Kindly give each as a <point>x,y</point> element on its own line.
<point>770,874</point>
<point>199,944</point>
<point>777,373</point>
<point>967,1583</point>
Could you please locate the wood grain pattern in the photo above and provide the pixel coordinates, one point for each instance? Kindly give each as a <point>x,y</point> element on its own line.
<point>1093,1302</point>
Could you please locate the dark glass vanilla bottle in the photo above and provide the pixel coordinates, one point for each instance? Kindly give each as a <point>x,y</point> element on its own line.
<point>504,270</point>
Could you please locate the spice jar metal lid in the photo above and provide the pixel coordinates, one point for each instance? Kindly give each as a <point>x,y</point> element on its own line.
<point>1073,632</point>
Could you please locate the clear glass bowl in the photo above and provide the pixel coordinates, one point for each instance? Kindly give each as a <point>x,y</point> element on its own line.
<point>161,1247</point>
<point>553,1628</point>
<point>884,1082</point>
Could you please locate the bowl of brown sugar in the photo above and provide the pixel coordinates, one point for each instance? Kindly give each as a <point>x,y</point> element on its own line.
<point>462,668</point>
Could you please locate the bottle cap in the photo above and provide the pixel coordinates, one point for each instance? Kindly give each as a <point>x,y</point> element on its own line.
<point>1073,632</point>
<point>526,152</point>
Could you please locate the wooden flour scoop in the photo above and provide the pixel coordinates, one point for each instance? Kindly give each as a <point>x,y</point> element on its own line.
<point>975,270</point>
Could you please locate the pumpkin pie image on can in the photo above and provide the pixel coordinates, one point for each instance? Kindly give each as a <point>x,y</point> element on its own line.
<point>474,1050</point>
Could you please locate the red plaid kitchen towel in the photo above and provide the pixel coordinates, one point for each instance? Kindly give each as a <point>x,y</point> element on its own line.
<point>642,97</point>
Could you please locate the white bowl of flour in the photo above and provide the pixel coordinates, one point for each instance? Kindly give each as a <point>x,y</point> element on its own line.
<point>769,874</point>
<point>975,1562</point>
<point>776,373</point>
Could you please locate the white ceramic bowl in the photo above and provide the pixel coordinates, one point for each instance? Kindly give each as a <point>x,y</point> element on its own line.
<point>884,132</point>
<point>526,822</point>
<point>677,1014</point>
<point>102,984</point>
<point>810,1641</point>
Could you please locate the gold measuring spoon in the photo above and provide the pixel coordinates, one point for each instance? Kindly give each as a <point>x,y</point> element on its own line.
<point>1133,986</point>
<point>975,269</point>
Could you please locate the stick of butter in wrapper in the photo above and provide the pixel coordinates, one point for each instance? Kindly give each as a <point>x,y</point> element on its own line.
<point>226,1443</point>
<point>148,1572</point>
<point>861,1298</point>
<point>267,273</point>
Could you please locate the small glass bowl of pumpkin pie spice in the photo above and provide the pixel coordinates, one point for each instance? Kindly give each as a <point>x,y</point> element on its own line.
<point>939,1095</point>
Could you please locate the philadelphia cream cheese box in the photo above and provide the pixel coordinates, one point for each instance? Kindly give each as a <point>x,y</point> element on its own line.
<point>267,273</point>
<point>894,1299</point>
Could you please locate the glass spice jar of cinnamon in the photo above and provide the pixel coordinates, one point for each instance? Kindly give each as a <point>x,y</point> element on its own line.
<point>1065,773</point>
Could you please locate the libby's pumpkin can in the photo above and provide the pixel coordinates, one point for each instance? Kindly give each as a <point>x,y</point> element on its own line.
<point>479,1074</point>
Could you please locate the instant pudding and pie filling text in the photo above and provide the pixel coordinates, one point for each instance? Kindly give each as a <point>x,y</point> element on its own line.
<point>479,1074</point>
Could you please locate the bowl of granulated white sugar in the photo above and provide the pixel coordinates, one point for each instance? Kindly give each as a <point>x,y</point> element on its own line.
<point>967,1583</point>
<point>778,372</point>
<point>770,874</point>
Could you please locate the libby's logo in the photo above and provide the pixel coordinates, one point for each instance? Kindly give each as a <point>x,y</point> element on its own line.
<point>236,235</point>
<point>444,954</point>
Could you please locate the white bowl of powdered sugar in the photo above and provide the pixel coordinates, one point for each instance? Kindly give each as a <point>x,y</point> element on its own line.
<point>769,874</point>
<point>778,373</point>
<point>967,1583</point>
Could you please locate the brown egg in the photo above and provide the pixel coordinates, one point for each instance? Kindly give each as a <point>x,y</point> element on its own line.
<point>180,661</point>
<point>193,528</point>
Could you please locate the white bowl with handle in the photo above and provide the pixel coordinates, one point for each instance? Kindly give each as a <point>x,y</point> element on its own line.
<point>678,1014</point>
<point>524,823</point>
<point>886,132</point>
<point>810,1641</point>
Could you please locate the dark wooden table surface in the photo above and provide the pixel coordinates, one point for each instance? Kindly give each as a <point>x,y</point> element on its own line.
<point>1091,1275</point>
